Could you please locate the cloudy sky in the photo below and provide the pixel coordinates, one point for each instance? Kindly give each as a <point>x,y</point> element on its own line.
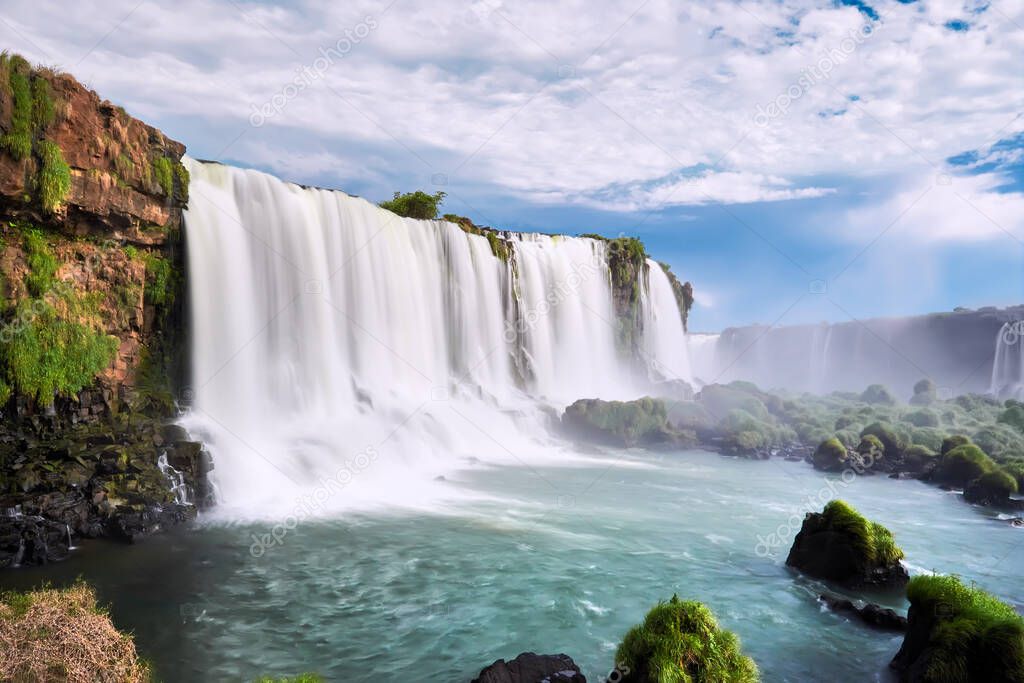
<point>797,161</point>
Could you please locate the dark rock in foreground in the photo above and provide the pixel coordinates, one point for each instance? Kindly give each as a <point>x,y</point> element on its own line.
<point>533,668</point>
<point>871,614</point>
<point>839,544</point>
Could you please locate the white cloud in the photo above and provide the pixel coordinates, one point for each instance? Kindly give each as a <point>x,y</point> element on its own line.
<point>573,102</point>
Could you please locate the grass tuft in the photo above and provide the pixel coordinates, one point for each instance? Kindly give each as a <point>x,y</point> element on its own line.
<point>54,177</point>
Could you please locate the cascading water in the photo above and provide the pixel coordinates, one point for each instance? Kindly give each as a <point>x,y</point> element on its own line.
<point>341,347</point>
<point>1008,366</point>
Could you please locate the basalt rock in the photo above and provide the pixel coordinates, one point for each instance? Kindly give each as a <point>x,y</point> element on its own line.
<point>532,668</point>
<point>870,613</point>
<point>31,539</point>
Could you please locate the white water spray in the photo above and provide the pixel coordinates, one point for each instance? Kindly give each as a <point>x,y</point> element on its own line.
<point>326,329</point>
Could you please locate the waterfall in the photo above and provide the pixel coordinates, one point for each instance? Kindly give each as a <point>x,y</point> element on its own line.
<point>344,355</point>
<point>1008,366</point>
<point>954,349</point>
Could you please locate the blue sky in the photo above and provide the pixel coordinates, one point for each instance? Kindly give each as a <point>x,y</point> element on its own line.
<point>797,161</point>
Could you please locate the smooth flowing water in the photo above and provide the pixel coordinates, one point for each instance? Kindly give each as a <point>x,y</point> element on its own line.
<point>549,559</point>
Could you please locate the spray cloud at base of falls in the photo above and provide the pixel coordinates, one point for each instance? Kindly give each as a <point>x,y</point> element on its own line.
<point>325,327</point>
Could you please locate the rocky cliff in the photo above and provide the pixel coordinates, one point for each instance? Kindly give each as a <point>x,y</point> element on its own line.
<point>92,301</point>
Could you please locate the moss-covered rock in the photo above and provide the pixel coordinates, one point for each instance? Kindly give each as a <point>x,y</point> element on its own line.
<point>991,488</point>
<point>953,441</point>
<point>895,440</point>
<point>839,544</point>
<point>830,456</point>
<point>681,642</point>
<point>919,460</point>
<point>962,465</point>
<point>620,423</point>
<point>925,393</point>
<point>957,633</point>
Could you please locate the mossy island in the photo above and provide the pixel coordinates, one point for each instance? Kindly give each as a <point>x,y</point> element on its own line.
<point>841,545</point>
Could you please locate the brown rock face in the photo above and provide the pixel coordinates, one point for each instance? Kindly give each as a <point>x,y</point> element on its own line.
<point>114,235</point>
<point>115,187</point>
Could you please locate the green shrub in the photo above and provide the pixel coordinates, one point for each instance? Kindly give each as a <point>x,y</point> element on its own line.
<point>830,455</point>
<point>973,636</point>
<point>163,173</point>
<point>999,440</point>
<point>874,543</point>
<point>917,457</point>
<point>681,642</point>
<point>54,181</point>
<point>1013,416</point>
<point>894,440</point>
<point>924,393</point>
<point>42,264</point>
<point>719,399</point>
<point>927,436</point>
<point>922,418</point>
<point>51,355</point>
<point>963,464</point>
<point>877,394</point>
<point>951,442</point>
<point>181,174</point>
<point>416,204</point>
<point>159,280</point>
<point>1016,470</point>
<point>43,111</point>
<point>18,140</point>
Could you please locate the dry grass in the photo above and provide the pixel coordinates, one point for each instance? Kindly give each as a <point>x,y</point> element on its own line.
<point>61,635</point>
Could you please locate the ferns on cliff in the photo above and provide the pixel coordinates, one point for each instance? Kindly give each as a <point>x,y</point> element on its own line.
<point>43,110</point>
<point>18,140</point>
<point>42,264</point>
<point>164,175</point>
<point>159,280</point>
<point>54,179</point>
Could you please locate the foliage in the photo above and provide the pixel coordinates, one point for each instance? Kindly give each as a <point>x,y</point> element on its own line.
<point>681,642</point>
<point>630,421</point>
<point>42,264</point>
<point>43,111</point>
<point>18,140</point>
<point>894,440</point>
<point>870,443</point>
<point>922,418</point>
<point>973,636</point>
<point>917,456</point>
<point>54,355</point>
<point>829,455</point>
<point>924,393</point>
<point>50,634</point>
<point>181,174</point>
<point>54,179</point>
<point>163,173</point>
<point>416,204</point>
<point>876,393</point>
<point>953,441</point>
<point>160,280</point>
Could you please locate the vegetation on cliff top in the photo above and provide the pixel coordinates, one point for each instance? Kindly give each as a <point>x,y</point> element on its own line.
<point>61,635</point>
<point>971,635</point>
<point>416,204</point>
<point>681,642</point>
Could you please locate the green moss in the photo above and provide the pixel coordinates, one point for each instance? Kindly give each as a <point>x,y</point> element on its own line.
<point>51,355</point>
<point>951,442</point>
<point>870,444</point>
<point>160,276</point>
<point>43,110</point>
<point>163,173</point>
<point>992,487</point>
<point>17,141</point>
<point>962,465</point>
<point>181,175</point>
<point>124,166</point>
<point>681,642</point>
<point>54,180</point>
<point>42,264</point>
<point>894,440</point>
<point>416,204</point>
<point>874,543</point>
<point>973,636</point>
<point>917,456</point>
<point>878,394</point>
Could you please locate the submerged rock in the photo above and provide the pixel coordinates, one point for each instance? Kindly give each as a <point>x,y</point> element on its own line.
<point>532,668</point>
<point>839,544</point>
<point>870,613</point>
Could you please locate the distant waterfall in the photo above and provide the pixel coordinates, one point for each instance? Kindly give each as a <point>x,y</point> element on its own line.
<point>1008,367</point>
<point>329,333</point>
<point>955,350</point>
